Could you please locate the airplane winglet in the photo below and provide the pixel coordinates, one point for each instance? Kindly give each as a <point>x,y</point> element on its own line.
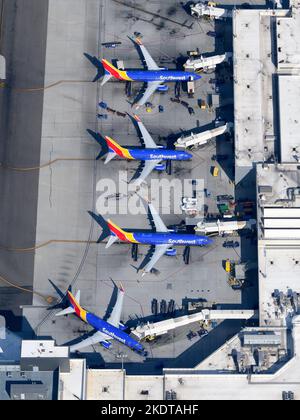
<point>137,118</point>
<point>138,41</point>
<point>122,288</point>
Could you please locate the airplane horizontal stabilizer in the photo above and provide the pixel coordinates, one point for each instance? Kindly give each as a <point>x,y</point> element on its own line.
<point>110,157</point>
<point>70,310</point>
<point>106,79</point>
<point>65,312</point>
<point>111,241</point>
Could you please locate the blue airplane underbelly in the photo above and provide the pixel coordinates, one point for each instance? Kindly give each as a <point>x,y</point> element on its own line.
<point>164,76</point>
<point>159,154</point>
<point>171,239</point>
<point>111,331</point>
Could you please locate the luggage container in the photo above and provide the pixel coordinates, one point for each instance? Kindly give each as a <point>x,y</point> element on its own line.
<point>215,171</point>
<point>228,266</point>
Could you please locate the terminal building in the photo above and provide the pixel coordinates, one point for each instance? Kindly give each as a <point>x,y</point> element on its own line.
<point>260,362</point>
<point>266,61</point>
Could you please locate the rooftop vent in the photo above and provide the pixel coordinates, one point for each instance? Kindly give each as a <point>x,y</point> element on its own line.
<point>265,189</point>
<point>144,392</point>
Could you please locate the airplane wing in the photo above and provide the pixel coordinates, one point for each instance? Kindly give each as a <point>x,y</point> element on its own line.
<point>148,167</point>
<point>160,250</point>
<point>91,341</point>
<point>143,133</point>
<point>159,224</point>
<point>116,314</point>
<point>148,60</point>
<point>151,88</point>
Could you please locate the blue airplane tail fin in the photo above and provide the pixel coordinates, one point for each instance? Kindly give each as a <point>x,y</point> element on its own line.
<point>102,142</point>
<point>103,224</point>
<point>97,63</point>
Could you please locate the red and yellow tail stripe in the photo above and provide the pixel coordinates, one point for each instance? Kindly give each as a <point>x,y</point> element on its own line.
<point>121,234</point>
<point>118,74</point>
<point>119,150</point>
<point>80,312</point>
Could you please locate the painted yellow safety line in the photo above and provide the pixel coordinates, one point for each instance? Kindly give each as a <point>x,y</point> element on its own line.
<point>45,165</point>
<point>44,244</point>
<point>48,299</point>
<point>43,88</point>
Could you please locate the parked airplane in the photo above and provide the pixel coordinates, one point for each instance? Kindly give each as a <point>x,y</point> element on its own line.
<point>112,329</point>
<point>161,239</point>
<point>150,153</point>
<point>153,76</point>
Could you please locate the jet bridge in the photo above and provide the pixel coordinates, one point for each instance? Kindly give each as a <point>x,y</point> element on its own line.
<point>220,226</point>
<point>210,11</point>
<point>207,63</point>
<point>201,139</point>
<point>160,328</point>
